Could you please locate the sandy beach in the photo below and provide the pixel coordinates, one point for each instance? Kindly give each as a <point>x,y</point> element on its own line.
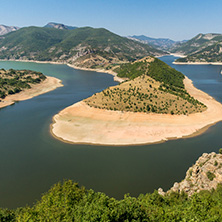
<point>49,84</point>
<point>80,123</point>
<point>114,74</point>
<point>178,55</point>
<point>197,63</point>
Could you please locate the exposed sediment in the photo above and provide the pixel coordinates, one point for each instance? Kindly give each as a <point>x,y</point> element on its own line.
<point>80,123</point>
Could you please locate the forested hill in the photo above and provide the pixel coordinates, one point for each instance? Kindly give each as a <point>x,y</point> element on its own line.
<point>201,48</point>
<point>83,47</point>
<point>153,86</point>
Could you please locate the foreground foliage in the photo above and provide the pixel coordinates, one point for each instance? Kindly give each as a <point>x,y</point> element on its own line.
<point>69,202</point>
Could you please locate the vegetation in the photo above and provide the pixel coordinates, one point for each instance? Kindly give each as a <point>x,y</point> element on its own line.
<point>211,53</point>
<point>160,43</point>
<point>13,81</point>
<point>210,175</point>
<point>202,48</point>
<point>84,47</point>
<point>154,68</point>
<point>69,202</point>
<point>153,87</point>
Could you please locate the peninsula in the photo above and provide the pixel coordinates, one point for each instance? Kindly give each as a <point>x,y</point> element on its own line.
<point>18,85</point>
<point>155,104</point>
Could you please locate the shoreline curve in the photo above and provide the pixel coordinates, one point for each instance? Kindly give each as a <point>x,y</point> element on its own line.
<point>49,84</point>
<point>114,74</point>
<point>82,124</point>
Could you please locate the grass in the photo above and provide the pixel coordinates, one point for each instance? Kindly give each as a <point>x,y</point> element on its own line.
<point>142,95</point>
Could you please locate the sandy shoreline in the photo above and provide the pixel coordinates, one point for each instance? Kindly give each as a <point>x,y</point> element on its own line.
<point>114,74</point>
<point>177,55</point>
<point>49,84</point>
<point>197,63</point>
<point>80,123</point>
<point>115,77</point>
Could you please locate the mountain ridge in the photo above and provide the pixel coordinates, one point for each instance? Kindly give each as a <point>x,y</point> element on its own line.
<point>4,29</point>
<point>59,26</point>
<point>201,48</point>
<point>84,47</point>
<point>159,43</point>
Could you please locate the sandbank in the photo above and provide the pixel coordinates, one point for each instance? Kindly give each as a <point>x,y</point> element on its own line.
<point>197,63</point>
<point>178,55</point>
<point>49,84</point>
<point>114,74</point>
<point>80,123</point>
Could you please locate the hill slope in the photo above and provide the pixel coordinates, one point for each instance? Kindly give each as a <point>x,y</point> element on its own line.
<point>6,29</point>
<point>202,48</point>
<point>160,43</point>
<point>153,87</point>
<point>84,47</point>
<point>59,26</point>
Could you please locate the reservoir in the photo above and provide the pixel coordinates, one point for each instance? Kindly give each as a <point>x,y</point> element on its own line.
<point>31,160</point>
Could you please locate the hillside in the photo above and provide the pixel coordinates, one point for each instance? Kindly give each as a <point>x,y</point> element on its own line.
<point>70,202</point>
<point>201,48</point>
<point>6,29</point>
<point>14,81</point>
<point>59,26</point>
<point>83,47</point>
<point>212,53</point>
<point>153,87</point>
<point>160,43</point>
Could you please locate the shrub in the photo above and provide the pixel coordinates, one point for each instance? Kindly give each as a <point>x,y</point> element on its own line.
<point>210,175</point>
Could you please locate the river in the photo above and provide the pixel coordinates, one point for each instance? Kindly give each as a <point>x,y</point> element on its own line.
<point>31,160</point>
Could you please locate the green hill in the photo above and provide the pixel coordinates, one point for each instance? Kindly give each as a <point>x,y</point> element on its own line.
<point>211,53</point>
<point>198,43</point>
<point>83,47</point>
<point>153,86</point>
<point>201,48</point>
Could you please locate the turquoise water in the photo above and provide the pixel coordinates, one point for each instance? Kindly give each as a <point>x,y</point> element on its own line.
<point>31,160</point>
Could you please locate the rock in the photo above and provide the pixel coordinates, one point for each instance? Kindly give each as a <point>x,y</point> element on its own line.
<point>161,192</point>
<point>205,174</point>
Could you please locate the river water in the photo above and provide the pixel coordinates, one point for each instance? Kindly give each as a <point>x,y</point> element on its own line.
<point>31,160</point>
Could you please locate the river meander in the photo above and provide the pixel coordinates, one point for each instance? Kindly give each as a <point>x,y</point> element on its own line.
<point>31,160</point>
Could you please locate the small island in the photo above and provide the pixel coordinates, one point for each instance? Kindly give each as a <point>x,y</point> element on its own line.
<point>18,85</point>
<point>154,103</point>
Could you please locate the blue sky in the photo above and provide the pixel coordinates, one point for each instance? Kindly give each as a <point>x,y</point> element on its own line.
<point>175,19</point>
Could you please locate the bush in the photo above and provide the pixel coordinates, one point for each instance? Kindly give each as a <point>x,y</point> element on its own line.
<point>210,175</point>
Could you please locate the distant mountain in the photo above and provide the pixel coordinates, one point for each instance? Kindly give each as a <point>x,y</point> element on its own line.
<point>59,26</point>
<point>160,43</point>
<point>6,29</point>
<point>84,47</point>
<point>201,48</point>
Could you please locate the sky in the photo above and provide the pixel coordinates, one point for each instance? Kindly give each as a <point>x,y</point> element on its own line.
<point>174,19</point>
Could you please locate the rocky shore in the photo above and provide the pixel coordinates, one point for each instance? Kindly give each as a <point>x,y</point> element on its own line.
<point>205,174</point>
